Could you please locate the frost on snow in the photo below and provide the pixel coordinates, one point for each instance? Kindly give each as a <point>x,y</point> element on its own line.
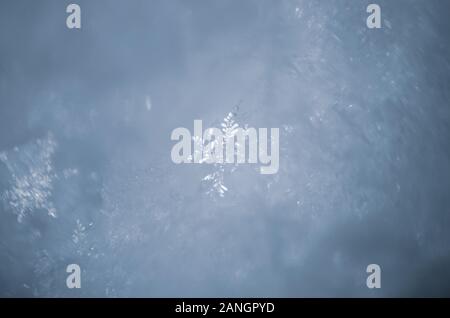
<point>31,180</point>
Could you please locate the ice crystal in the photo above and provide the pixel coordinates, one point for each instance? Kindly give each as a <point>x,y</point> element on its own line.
<point>32,175</point>
<point>215,179</point>
<point>79,233</point>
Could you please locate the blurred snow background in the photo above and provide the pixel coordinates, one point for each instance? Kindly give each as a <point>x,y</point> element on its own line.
<point>85,169</point>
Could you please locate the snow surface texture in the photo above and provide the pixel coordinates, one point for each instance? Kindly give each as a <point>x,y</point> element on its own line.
<point>85,170</point>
